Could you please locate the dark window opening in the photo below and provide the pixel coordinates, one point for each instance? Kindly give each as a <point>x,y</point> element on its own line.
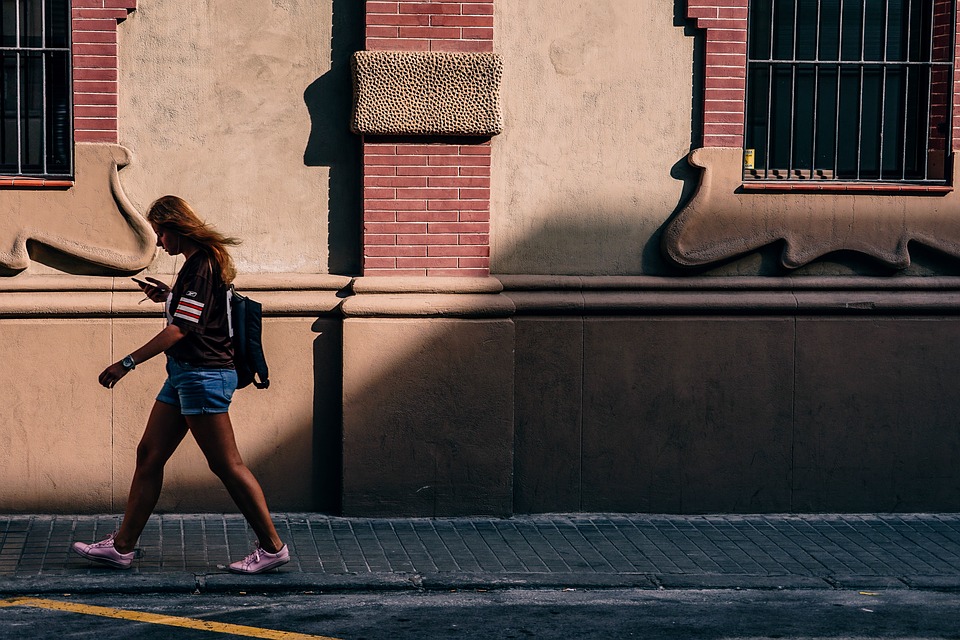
<point>851,90</point>
<point>36,123</point>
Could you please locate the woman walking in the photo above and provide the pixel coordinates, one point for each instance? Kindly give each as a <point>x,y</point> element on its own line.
<point>196,395</point>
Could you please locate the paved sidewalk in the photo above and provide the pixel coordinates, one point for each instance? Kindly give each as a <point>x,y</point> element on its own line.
<point>188,552</point>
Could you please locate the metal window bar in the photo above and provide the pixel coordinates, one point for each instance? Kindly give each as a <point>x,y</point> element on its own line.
<point>863,42</point>
<point>19,51</point>
<point>766,165</point>
<point>19,100</point>
<point>926,146</point>
<point>793,94</point>
<point>816,92</point>
<point>885,65</point>
<point>44,151</point>
<point>836,127</point>
<point>906,92</point>
<point>883,87</point>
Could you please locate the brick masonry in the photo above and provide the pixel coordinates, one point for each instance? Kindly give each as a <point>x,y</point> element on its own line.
<point>95,67</point>
<point>427,200</point>
<point>725,22</point>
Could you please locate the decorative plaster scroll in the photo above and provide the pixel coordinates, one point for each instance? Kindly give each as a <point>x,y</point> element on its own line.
<point>92,224</point>
<point>426,93</point>
<point>722,222</point>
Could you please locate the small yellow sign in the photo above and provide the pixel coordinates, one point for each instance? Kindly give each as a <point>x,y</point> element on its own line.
<point>748,155</point>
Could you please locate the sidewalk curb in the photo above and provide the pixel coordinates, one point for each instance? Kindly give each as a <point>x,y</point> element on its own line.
<point>394,582</point>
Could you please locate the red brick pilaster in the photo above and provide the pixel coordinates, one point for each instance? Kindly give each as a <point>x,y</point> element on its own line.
<point>725,22</point>
<point>948,6</point>
<point>95,67</point>
<point>426,201</point>
<point>941,85</point>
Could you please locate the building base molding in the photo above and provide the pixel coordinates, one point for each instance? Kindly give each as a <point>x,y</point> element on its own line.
<point>516,394</point>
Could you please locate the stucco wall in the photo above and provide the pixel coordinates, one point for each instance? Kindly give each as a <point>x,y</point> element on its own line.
<point>69,445</point>
<point>677,395</point>
<point>212,106</point>
<point>597,99</point>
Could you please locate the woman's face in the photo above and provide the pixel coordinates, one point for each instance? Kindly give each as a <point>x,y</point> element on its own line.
<point>167,239</point>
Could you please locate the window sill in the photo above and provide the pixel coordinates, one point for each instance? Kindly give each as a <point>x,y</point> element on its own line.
<point>20,182</point>
<point>848,187</point>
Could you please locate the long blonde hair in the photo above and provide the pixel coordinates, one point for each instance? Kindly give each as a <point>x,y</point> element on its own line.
<point>174,213</point>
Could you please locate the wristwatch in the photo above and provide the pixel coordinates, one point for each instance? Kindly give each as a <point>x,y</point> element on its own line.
<point>128,363</point>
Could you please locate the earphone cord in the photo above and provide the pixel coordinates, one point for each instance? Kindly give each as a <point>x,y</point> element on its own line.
<point>175,259</point>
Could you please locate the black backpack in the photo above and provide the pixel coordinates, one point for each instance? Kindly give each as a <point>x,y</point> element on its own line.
<point>245,317</point>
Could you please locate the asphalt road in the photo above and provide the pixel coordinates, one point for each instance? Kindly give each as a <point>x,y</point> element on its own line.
<point>709,614</point>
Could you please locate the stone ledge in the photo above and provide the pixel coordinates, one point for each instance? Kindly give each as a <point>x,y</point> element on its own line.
<point>388,284</point>
<point>53,296</point>
<point>56,296</point>
<point>536,282</point>
<point>428,306</point>
<point>571,295</point>
<point>425,297</point>
<point>264,281</point>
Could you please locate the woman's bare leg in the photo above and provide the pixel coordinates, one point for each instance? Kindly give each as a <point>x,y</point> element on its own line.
<point>214,434</point>
<point>164,433</point>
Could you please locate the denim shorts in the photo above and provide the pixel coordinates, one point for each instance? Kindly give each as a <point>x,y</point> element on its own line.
<point>196,390</point>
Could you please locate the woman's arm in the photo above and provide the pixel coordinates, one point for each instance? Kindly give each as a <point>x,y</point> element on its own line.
<point>171,335</point>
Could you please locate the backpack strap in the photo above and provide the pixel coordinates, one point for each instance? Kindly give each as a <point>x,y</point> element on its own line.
<point>230,293</point>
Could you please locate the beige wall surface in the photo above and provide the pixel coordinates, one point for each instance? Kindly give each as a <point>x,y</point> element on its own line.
<point>212,108</point>
<point>427,416</point>
<point>597,99</point>
<point>56,437</point>
<point>69,445</point>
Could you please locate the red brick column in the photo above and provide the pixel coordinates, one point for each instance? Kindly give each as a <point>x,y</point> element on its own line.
<point>955,124</point>
<point>941,85</point>
<point>95,67</point>
<point>725,22</point>
<point>426,201</point>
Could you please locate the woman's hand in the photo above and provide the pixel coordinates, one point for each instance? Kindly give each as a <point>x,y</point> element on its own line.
<point>112,374</point>
<point>156,291</point>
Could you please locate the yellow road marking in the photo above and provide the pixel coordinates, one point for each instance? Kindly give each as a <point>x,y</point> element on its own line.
<point>153,618</point>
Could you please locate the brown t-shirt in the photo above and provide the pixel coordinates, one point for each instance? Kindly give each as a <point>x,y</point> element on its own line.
<point>198,305</point>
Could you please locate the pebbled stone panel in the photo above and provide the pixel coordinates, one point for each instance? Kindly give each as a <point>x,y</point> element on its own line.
<point>427,93</point>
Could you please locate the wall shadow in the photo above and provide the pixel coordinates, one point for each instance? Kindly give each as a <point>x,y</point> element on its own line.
<point>329,100</point>
<point>328,415</point>
<point>599,243</point>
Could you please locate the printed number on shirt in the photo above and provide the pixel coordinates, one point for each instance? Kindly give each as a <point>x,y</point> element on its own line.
<point>188,310</point>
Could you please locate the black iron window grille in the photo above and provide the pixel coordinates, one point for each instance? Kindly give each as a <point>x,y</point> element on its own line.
<point>849,90</point>
<point>36,130</point>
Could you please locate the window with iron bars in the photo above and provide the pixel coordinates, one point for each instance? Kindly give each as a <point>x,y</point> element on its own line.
<point>36,130</point>
<point>849,90</point>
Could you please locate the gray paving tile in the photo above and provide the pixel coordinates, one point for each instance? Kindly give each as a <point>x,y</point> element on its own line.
<point>908,549</point>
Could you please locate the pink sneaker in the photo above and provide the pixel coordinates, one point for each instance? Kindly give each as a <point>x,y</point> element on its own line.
<point>105,553</point>
<point>261,560</point>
